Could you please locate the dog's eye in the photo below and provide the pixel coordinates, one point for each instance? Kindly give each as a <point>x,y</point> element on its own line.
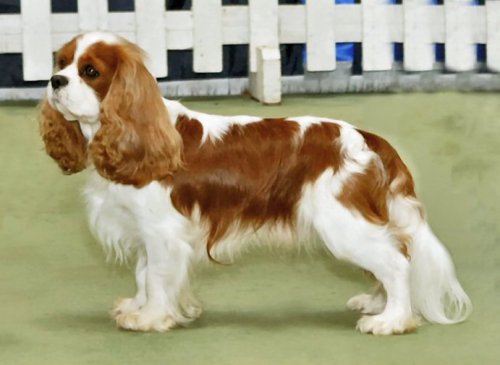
<point>90,72</point>
<point>61,63</point>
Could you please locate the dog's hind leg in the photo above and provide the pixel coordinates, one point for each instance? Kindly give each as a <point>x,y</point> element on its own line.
<point>373,247</point>
<point>370,247</point>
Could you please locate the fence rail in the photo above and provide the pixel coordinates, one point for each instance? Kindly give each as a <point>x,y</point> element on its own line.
<point>319,24</point>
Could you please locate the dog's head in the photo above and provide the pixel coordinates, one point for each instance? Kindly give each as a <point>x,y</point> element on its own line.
<point>102,87</point>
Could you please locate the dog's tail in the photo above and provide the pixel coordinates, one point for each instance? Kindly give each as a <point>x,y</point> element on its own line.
<point>436,293</point>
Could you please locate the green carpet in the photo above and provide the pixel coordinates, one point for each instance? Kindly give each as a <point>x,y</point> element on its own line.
<point>268,308</point>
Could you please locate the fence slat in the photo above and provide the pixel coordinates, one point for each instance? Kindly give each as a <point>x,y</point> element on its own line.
<point>10,33</point>
<point>235,25</point>
<point>207,34</point>
<point>348,23</point>
<point>478,24</point>
<point>437,26</point>
<point>264,23</point>
<point>65,23</point>
<point>263,27</point>
<point>10,24</point>
<point>150,34</point>
<point>92,15</point>
<point>11,43</point>
<point>320,36</point>
<point>418,46</point>
<point>36,40</point>
<point>493,35</point>
<point>377,48</point>
<point>292,24</point>
<point>395,23</point>
<point>459,47</point>
<point>179,28</point>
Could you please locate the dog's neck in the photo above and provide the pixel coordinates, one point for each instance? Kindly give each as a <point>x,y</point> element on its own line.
<point>89,128</point>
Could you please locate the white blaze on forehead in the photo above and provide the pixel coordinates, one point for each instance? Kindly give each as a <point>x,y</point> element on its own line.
<point>89,39</point>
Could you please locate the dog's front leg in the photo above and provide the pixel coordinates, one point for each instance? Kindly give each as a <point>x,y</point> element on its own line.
<point>129,305</point>
<point>166,286</point>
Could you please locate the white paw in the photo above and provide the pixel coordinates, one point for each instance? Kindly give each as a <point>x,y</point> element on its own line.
<point>367,304</point>
<point>145,321</point>
<point>383,324</point>
<point>192,310</point>
<point>125,306</point>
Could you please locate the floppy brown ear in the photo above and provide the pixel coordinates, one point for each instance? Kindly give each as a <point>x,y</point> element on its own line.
<point>136,143</point>
<point>64,141</point>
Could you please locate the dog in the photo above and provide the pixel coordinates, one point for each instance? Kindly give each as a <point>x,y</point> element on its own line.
<point>169,188</point>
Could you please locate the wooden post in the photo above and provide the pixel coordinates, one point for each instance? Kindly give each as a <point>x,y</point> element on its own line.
<point>266,83</point>
<point>264,45</point>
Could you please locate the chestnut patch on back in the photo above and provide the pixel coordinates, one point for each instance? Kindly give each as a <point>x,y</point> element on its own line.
<point>254,175</point>
<point>393,164</point>
<point>368,192</point>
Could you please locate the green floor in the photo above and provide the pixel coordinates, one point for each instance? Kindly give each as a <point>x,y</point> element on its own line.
<point>55,288</point>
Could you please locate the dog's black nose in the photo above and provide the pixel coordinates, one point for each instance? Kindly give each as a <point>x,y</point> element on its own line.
<point>57,81</point>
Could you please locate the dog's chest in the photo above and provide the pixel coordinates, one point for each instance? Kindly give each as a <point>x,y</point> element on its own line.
<point>119,214</point>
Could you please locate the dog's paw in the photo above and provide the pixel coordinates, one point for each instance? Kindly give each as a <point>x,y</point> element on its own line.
<point>124,306</point>
<point>384,324</point>
<point>191,311</point>
<point>145,321</point>
<point>367,304</point>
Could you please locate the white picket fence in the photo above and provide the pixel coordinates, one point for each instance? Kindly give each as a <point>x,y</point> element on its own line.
<point>264,25</point>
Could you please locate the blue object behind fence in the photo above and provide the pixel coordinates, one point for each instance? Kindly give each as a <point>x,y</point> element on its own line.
<point>346,51</point>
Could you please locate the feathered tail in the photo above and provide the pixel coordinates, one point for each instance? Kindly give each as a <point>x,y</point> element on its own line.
<point>436,293</point>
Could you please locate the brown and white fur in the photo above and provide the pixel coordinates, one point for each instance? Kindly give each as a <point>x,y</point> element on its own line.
<point>169,187</point>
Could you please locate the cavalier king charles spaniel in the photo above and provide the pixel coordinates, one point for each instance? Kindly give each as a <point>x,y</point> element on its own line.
<point>169,188</point>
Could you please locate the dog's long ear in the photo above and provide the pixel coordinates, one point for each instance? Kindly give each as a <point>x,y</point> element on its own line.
<point>136,143</point>
<point>64,141</point>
